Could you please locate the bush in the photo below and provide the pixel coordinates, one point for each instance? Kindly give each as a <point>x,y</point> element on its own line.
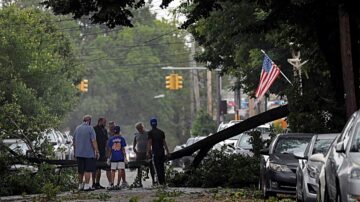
<point>218,169</point>
<point>46,178</point>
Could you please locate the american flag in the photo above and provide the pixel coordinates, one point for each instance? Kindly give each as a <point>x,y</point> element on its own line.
<point>269,73</point>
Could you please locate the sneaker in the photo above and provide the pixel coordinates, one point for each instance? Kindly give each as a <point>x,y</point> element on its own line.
<point>117,187</point>
<point>98,186</point>
<point>81,187</point>
<point>136,185</point>
<point>112,187</point>
<point>88,188</point>
<point>124,185</point>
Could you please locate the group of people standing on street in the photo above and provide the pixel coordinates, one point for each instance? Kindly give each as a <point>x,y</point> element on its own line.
<point>97,148</point>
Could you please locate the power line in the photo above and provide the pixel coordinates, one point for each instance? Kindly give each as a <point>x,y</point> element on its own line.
<point>148,65</point>
<point>158,55</point>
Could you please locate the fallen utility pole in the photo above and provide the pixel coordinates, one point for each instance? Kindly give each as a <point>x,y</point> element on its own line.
<point>206,144</point>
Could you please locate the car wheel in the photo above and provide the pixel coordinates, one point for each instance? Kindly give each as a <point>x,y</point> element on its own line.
<point>338,195</point>
<point>264,190</point>
<point>266,194</point>
<point>318,196</point>
<point>299,193</point>
<point>326,194</point>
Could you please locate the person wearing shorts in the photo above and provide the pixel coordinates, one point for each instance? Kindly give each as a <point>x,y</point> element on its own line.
<point>86,152</point>
<point>140,148</point>
<point>117,157</point>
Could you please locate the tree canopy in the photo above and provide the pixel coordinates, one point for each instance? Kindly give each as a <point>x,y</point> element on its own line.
<point>32,53</point>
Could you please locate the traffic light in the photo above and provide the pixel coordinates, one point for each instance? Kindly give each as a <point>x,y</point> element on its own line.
<point>170,82</point>
<point>179,82</point>
<point>84,85</point>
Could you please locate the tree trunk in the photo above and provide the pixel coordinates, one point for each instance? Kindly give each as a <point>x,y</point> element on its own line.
<point>347,65</point>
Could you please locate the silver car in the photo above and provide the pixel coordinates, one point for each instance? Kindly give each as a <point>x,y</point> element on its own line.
<point>342,166</point>
<point>309,167</point>
<point>244,147</point>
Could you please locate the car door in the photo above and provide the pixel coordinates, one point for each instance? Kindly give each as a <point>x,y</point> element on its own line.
<point>335,159</point>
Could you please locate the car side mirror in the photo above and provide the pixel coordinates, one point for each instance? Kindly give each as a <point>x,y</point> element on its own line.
<point>317,158</point>
<point>302,157</point>
<point>68,142</point>
<point>265,151</point>
<point>340,148</point>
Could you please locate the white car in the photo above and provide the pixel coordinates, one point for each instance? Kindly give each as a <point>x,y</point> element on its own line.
<point>20,147</point>
<point>69,149</point>
<point>55,140</point>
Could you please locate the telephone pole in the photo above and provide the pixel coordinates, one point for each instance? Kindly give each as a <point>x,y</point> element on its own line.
<point>209,93</point>
<point>346,60</point>
<point>195,77</point>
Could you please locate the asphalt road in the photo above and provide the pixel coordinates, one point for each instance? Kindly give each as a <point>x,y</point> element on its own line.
<point>130,176</point>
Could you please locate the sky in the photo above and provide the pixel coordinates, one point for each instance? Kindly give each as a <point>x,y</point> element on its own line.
<point>166,13</point>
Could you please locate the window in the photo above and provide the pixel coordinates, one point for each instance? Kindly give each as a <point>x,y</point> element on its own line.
<point>355,145</point>
<point>244,142</point>
<point>293,145</point>
<point>347,128</point>
<point>321,146</point>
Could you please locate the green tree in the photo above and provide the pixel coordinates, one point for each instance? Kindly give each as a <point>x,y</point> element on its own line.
<point>123,67</point>
<point>38,72</point>
<point>203,124</point>
<point>240,29</point>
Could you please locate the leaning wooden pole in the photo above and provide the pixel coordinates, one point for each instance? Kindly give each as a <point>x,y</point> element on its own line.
<point>206,144</point>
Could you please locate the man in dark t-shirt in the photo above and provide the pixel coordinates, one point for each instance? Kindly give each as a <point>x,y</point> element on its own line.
<point>157,146</point>
<point>102,139</point>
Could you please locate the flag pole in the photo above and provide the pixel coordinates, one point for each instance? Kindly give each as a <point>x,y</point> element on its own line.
<point>287,79</point>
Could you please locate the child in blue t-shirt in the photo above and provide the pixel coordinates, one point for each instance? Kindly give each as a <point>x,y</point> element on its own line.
<point>117,158</point>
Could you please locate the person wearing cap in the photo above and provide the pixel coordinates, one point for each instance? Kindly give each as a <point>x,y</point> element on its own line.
<point>86,152</point>
<point>117,157</point>
<point>157,146</point>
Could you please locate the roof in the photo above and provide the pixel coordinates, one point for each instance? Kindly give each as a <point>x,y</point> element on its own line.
<point>297,135</point>
<point>327,136</point>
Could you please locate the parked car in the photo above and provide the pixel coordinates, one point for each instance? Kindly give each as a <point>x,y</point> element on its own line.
<point>278,165</point>
<point>265,128</point>
<point>17,145</point>
<point>309,167</point>
<point>21,148</point>
<point>224,125</point>
<point>69,144</point>
<point>187,160</point>
<point>244,147</point>
<point>342,165</point>
<point>177,162</point>
<point>130,154</point>
<point>231,142</point>
<point>55,140</point>
<point>66,144</point>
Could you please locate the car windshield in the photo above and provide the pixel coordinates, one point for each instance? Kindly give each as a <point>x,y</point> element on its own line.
<point>51,136</point>
<point>230,142</point>
<point>244,142</point>
<point>19,147</point>
<point>355,145</point>
<point>321,146</point>
<point>293,145</point>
